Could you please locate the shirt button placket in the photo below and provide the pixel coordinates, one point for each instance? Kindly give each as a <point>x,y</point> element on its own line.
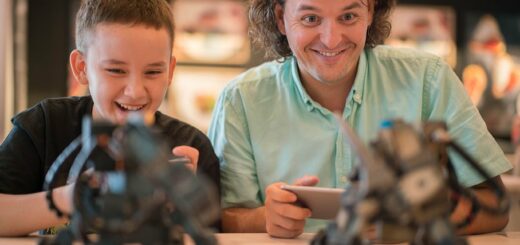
<point>342,155</point>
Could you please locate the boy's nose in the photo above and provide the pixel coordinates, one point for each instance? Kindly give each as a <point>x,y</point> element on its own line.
<point>330,36</point>
<point>135,88</point>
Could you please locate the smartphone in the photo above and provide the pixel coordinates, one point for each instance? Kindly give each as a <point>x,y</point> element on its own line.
<point>179,159</point>
<point>323,202</point>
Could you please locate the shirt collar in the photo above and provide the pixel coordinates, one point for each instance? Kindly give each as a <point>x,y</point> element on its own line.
<point>356,93</point>
<point>295,75</point>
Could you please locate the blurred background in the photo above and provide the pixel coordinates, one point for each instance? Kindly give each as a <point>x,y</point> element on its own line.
<point>480,39</point>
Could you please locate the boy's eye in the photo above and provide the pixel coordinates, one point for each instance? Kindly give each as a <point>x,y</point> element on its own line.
<point>116,71</point>
<point>310,19</point>
<point>153,72</point>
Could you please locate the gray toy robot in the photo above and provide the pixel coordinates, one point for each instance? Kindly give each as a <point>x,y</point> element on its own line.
<point>406,187</point>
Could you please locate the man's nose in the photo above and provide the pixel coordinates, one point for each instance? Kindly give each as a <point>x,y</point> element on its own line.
<point>330,35</point>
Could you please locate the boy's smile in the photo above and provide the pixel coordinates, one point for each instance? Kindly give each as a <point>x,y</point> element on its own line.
<point>129,107</point>
<point>128,68</point>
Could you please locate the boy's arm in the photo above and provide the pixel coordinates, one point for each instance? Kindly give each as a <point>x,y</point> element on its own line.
<point>483,222</point>
<point>20,173</point>
<point>27,213</point>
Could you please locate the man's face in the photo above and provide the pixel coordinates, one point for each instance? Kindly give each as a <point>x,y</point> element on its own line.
<point>326,37</point>
<point>128,69</point>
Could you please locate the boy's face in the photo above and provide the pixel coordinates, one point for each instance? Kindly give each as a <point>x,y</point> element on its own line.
<point>127,68</point>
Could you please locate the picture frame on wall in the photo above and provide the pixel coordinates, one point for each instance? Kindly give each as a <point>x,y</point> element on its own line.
<point>212,32</point>
<point>195,90</point>
<point>427,28</point>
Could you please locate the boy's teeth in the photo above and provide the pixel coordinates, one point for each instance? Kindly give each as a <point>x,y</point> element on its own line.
<point>131,108</point>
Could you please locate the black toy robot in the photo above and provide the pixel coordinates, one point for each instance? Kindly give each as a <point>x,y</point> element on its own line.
<point>130,192</point>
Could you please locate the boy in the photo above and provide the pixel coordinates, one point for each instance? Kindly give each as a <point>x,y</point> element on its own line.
<point>124,55</point>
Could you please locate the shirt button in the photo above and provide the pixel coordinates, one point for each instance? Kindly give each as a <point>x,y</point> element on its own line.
<point>357,98</point>
<point>343,179</point>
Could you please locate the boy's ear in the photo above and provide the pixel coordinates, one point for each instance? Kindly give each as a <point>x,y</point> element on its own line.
<point>78,66</point>
<point>278,13</point>
<point>173,62</point>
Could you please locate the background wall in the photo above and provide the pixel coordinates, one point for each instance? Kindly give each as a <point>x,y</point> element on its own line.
<point>6,66</point>
<point>41,70</point>
<point>48,48</point>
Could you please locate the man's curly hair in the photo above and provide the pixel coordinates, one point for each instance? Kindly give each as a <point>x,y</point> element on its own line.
<point>264,31</point>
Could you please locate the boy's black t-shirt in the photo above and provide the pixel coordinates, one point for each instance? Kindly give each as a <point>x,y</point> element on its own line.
<point>42,132</point>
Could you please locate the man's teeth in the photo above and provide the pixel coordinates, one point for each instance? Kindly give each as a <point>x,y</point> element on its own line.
<point>131,108</point>
<point>329,54</point>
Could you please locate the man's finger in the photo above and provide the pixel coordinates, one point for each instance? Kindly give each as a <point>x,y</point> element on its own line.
<point>307,181</point>
<point>276,193</point>
<point>291,211</point>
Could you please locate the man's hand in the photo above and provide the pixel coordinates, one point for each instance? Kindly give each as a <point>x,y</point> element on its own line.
<point>189,152</point>
<point>483,222</point>
<point>283,218</point>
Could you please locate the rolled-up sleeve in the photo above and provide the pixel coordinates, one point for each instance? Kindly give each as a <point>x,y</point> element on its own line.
<point>450,102</point>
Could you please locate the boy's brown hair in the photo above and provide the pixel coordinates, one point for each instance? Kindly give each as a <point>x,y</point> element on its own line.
<point>152,13</point>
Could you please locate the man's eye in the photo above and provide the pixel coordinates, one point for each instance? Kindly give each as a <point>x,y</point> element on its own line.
<point>348,17</point>
<point>310,19</point>
<point>116,71</point>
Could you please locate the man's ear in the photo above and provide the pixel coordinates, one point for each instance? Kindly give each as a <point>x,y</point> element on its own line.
<point>278,13</point>
<point>78,66</point>
<point>371,11</point>
<point>173,62</point>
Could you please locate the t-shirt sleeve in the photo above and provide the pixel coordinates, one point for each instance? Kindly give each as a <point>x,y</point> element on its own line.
<point>20,164</point>
<point>230,137</point>
<point>449,102</point>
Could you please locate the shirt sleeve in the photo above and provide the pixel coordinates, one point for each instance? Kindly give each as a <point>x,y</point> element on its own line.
<point>20,168</point>
<point>448,100</point>
<point>230,137</point>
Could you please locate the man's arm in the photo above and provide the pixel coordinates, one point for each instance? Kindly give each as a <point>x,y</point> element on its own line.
<point>24,214</point>
<point>244,220</point>
<point>448,100</point>
<point>483,222</point>
<point>280,217</point>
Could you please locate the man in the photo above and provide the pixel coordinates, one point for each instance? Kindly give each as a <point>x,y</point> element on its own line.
<point>274,123</point>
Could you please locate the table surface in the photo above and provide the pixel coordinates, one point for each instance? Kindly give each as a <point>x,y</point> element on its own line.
<point>500,238</point>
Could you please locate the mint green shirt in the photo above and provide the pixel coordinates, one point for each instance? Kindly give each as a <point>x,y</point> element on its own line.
<point>266,128</point>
